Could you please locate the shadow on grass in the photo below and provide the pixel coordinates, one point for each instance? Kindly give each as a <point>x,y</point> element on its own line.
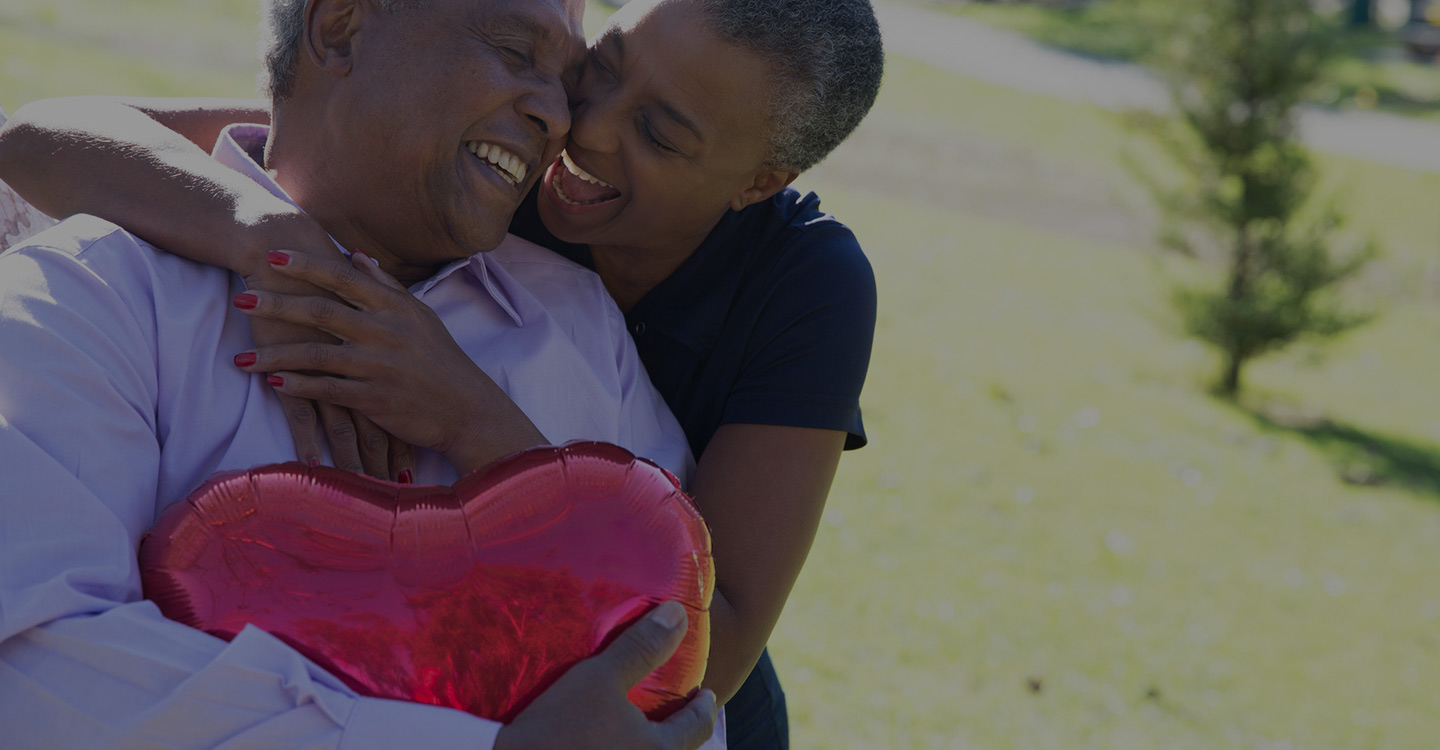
<point>1364,457</point>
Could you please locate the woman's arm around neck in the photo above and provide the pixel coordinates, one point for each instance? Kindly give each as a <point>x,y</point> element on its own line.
<point>144,164</point>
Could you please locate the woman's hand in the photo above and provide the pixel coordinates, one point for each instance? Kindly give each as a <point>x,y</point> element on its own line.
<point>356,443</point>
<point>394,362</point>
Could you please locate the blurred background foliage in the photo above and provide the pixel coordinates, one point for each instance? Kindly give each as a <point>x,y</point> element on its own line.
<point>1056,538</point>
<point>1376,68</point>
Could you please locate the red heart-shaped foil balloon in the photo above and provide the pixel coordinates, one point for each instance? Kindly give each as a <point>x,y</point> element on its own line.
<point>476,597</point>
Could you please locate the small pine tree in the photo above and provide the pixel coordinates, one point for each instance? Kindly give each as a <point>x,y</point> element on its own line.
<point>1236,70</point>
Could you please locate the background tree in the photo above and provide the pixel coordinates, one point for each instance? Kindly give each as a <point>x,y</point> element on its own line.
<point>1237,69</point>
<point>1361,13</point>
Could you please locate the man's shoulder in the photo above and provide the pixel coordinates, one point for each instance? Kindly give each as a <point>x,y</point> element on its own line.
<point>83,257</point>
<point>99,244</point>
<point>79,247</point>
<point>557,283</point>
<point>86,240</point>
<point>518,251</point>
<point>73,236</point>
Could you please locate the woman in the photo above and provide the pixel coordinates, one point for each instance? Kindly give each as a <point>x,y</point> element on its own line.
<point>752,310</point>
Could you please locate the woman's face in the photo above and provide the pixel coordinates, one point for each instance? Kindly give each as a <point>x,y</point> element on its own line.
<point>667,132</point>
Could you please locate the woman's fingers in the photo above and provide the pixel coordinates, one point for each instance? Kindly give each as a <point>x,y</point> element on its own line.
<point>327,390</point>
<point>356,443</point>
<point>358,281</point>
<point>316,356</point>
<point>334,318</point>
<point>371,268</point>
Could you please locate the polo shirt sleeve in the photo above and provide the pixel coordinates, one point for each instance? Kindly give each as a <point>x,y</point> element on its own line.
<point>806,360</point>
<point>85,661</point>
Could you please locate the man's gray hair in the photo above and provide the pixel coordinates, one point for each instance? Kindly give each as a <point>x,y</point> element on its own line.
<point>281,38</point>
<point>828,61</point>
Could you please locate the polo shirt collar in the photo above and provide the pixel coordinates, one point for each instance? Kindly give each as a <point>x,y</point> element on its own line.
<point>241,147</point>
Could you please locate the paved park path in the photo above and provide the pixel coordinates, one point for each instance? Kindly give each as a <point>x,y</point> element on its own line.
<point>1008,59</point>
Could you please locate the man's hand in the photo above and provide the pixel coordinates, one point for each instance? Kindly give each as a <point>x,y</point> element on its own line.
<point>587,707</point>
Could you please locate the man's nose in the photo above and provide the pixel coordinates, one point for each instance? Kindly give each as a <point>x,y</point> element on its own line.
<point>548,106</point>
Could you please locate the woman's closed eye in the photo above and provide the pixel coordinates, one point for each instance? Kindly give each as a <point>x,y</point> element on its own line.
<point>594,63</point>
<point>648,133</point>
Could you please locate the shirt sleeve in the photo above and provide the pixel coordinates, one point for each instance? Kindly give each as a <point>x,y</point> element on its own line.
<point>84,660</point>
<point>806,361</point>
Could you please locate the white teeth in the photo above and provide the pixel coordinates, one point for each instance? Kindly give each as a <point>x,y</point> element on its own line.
<point>582,174</point>
<point>511,166</point>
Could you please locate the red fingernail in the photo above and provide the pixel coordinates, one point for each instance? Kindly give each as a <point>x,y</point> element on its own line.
<point>275,381</point>
<point>314,462</point>
<point>244,359</point>
<point>247,301</point>
<point>406,477</point>
<point>277,258</point>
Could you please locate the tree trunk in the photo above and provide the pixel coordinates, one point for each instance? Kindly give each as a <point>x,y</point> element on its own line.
<point>1230,382</point>
<point>1361,13</point>
<point>1239,289</point>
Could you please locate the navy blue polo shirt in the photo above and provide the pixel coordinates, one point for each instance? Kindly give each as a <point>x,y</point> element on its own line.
<point>770,321</point>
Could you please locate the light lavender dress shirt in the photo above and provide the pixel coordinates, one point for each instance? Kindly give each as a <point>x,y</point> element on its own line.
<point>118,396</point>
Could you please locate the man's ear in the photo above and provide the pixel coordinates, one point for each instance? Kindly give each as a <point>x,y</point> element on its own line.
<point>330,30</point>
<point>765,185</point>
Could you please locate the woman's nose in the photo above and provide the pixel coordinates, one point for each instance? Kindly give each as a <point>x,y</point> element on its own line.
<point>595,122</point>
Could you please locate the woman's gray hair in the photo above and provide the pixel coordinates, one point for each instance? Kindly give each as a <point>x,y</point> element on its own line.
<point>828,61</point>
<point>281,34</point>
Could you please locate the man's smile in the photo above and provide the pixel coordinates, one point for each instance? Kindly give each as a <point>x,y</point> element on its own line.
<point>505,163</point>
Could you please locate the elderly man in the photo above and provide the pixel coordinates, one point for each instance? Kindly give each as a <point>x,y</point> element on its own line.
<point>118,393</point>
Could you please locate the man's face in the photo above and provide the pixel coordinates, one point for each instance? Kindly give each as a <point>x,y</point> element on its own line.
<point>447,119</point>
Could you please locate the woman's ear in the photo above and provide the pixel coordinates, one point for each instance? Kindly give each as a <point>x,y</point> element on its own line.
<point>765,185</point>
<point>330,30</point>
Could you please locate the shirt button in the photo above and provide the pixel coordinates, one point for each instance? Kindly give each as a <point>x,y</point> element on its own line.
<point>639,328</point>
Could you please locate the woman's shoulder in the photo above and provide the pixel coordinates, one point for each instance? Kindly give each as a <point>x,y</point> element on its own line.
<point>796,243</point>
<point>792,218</point>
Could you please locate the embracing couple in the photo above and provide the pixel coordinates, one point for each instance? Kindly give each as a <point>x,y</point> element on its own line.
<point>460,234</point>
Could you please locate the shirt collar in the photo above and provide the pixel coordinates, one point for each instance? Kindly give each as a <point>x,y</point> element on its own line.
<point>241,147</point>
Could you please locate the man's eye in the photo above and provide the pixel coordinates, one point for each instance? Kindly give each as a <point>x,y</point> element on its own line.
<point>516,54</point>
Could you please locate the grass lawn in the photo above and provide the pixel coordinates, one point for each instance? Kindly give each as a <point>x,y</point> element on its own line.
<point>1055,539</point>
<point>1371,72</point>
